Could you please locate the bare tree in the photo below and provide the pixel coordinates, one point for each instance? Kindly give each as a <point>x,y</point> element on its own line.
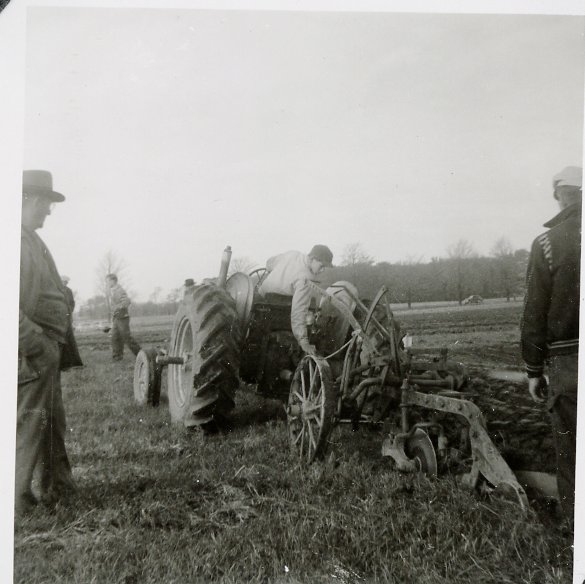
<point>353,254</point>
<point>461,249</point>
<point>502,247</point>
<point>174,295</point>
<point>154,297</point>
<point>242,264</point>
<point>110,264</point>
<point>460,252</point>
<point>504,254</point>
<point>410,279</point>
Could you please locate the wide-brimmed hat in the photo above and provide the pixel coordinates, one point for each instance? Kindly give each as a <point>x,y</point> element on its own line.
<point>322,254</point>
<point>570,176</point>
<point>40,182</point>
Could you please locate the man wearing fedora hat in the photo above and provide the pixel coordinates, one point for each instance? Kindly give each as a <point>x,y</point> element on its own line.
<point>288,274</point>
<point>550,324</point>
<point>46,346</point>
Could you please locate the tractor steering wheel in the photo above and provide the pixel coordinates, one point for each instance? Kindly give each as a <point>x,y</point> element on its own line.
<point>258,276</point>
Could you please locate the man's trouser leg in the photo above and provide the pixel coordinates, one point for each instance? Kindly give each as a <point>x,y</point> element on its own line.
<point>117,339</point>
<point>124,324</point>
<point>563,410</point>
<point>32,419</point>
<point>55,470</point>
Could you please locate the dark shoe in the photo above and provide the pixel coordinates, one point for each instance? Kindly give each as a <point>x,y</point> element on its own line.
<point>57,493</point>
<point>217,425</point>
<point>24,504</point>
<point>116,358</point>
<point>210,428</point>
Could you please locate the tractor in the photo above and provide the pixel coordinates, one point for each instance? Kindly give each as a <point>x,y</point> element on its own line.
<point>365,372</point>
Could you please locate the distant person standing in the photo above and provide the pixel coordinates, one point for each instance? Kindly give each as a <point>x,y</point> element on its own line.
<point>550,324</point>
<point>70,358</point>
<point>188,287</point>
<point>46,346</point>
<point>69,294</point>
<point>119,303</point>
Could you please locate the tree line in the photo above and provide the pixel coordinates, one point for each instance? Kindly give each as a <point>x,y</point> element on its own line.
<point>453,278</point>
<point>441,279</point>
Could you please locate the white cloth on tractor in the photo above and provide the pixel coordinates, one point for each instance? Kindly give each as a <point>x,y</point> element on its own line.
<point>289,273</point>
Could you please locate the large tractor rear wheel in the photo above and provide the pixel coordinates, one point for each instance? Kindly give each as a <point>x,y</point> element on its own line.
<point>206,334</point>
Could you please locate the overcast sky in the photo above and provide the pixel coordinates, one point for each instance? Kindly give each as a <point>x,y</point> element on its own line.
<point>175,132</point>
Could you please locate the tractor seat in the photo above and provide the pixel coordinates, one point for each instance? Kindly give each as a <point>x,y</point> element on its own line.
<point>273,311</point>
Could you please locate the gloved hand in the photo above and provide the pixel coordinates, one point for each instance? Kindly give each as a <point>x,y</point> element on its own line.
<point>307,347</point>
<point>538,388</point>
<point>107,329</point>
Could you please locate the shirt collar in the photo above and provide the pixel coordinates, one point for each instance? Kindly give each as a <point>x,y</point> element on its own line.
<point>570,211</point>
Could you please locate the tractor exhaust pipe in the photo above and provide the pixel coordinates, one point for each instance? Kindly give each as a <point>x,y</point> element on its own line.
<point>223,268</point>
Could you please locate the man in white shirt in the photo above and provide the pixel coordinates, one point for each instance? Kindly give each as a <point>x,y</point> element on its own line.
<point>289,274</point>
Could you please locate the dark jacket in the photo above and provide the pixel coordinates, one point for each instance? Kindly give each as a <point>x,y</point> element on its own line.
<point>43,306</point>
<point>550,323</point>
<point>70,298</point>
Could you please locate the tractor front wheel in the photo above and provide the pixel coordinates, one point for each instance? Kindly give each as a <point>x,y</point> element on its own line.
<point>311,407</point>
<point>147,378</point>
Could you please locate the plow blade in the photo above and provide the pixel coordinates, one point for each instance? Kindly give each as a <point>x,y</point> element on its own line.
<point>486,459</point>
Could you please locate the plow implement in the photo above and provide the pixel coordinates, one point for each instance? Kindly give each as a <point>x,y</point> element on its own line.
<point>364,372</point>
<point>370,377</point>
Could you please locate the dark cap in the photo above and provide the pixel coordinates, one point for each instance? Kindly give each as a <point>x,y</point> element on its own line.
<point>322,254</point>
<point>189,282</point>
<point>40,183</point>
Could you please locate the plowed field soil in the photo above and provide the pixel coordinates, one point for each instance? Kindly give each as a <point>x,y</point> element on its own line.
<point>486,340</point>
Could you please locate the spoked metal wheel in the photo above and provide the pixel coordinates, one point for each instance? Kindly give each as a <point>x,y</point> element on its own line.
<point>383,329</point>
<point>420,448</point>
<point>311,407</point>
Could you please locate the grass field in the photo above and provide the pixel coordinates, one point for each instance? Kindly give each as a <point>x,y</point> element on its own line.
<point>159,504</point>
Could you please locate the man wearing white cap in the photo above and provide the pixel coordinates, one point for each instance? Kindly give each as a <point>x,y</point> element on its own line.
<point>550,324</point>
<point>46,346</point>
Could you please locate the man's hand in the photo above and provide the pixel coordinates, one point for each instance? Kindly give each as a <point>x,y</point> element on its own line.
<point>107,329</point>
<point>538,388</point>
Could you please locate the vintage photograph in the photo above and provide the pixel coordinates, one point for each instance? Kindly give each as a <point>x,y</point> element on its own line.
<point>299,294</point>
